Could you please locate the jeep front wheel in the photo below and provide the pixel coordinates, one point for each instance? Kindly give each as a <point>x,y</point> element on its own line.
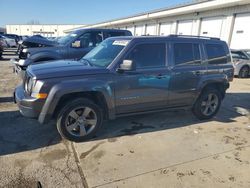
<point>208,104</point>
<point>79,120</point>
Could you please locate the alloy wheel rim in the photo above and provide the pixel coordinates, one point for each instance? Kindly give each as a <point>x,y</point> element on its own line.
<point>209,104</point>
<point>81,121</point>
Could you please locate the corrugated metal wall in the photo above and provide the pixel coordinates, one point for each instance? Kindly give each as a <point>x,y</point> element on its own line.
<point>214,23</point>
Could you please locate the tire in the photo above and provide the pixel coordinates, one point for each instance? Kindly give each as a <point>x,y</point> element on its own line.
<point>74,125</point>
<point>202,104</point>
<point>244,72</point>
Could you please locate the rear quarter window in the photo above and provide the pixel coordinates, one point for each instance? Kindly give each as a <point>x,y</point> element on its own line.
<point>115,34</point>
<point>216,54</point>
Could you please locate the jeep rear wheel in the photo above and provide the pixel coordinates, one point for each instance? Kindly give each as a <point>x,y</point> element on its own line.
<point>208,104</point>
<point>79,120</point>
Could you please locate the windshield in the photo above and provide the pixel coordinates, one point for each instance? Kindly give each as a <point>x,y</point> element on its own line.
<point>64,40</point>
<point>105,52</point>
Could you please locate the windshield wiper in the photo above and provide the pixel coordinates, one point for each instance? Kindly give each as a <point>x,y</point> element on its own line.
<point>87,62</point>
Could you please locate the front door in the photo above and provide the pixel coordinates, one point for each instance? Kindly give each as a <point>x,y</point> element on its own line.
<point>146,88</point>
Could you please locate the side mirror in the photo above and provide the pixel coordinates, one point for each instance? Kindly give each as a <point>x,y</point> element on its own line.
<point>127,65</point>
<point>76,44</point>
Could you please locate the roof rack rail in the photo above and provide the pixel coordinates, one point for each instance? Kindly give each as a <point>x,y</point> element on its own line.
<point>194,36</point>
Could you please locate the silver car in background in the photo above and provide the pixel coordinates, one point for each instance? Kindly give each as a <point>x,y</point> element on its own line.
<point>241,62</point>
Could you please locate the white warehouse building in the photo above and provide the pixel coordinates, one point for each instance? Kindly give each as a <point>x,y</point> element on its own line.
<point>225,19</point>
<point>47,30</point>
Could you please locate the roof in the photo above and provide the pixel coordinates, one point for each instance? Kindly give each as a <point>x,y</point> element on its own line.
<point>176,37</point>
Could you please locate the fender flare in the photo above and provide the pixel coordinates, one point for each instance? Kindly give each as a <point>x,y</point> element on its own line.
<point>71,87</point>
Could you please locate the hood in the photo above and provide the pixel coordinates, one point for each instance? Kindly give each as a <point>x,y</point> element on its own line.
<point>43,49</point>
<point>63,68</point>
<point>35,41</point>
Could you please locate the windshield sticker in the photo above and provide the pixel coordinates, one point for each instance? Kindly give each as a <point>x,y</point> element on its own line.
<point>121,42</point>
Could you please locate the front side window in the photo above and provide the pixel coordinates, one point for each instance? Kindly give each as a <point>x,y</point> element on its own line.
<point>186,53</point>
<point>91,39</point>
<point>148,55</point>
<point>216,54</point>
<point>66,39</point>
<point>106,52</point>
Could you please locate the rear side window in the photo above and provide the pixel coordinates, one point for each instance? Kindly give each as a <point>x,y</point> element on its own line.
<point>186,53</point>
<point>216,54</point>
<point>148,55</point>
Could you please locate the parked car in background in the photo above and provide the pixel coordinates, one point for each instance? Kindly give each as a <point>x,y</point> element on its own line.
<point>17,38</point>
<point>19,45</point>
<point>4,44</point>
<point>72,46</point>
<point>10,43</point>
<point>126,76</point>
<point>31,42</point>
<point>241,61</point>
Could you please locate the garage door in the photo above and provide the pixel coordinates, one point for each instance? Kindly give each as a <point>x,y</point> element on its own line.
<point>211,27</point>
<point>165,28</point>
<point>131,29</point>
<point>151,29</point>
<point>241,32</point>
<point>185,27</point>
<point>139,30</point>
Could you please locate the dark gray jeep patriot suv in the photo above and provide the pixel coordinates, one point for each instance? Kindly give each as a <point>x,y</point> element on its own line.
<point>72,46</point>
<point>125,76</point>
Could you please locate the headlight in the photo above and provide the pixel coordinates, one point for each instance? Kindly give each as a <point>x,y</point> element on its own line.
<point>36,90</point>
<point>29,85</point>
<point>25,50</point>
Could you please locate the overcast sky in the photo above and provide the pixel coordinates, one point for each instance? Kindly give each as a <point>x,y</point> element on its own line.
<point>75,11</point>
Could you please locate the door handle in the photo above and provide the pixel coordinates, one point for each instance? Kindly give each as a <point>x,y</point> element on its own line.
<point>198,73</point>
<point>160,76</point>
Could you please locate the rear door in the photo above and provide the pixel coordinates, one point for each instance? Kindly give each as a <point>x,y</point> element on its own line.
<point>187,71</point>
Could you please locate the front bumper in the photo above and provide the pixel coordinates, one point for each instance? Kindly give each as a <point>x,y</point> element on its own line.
<point>28,106</point>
